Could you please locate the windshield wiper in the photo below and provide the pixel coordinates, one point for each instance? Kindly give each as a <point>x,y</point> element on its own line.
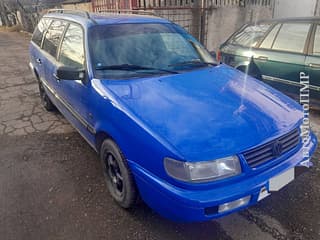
<point>132,67</point>
<point>193,62</point>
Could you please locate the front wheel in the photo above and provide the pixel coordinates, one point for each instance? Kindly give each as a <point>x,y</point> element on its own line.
<point>119,179</point>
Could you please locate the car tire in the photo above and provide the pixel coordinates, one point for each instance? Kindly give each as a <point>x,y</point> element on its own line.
<point>118,177</point>
<point>45,100</point>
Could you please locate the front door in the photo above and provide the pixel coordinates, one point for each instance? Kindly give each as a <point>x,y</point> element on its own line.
<point>281,56</point>
<point>76,93</point>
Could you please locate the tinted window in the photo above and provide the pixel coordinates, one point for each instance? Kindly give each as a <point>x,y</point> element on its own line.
<point>268,41</point>
<point>39,30</point>
<point>292,37</point>
<point>251,35</point>
<point>52,38</point>
<point>176,43</point>
<point>72,53</point>
<point>162,48</point>
<point>316,47</point>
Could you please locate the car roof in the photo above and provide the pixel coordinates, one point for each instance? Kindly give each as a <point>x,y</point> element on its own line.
<point>86,18</point>
<point>295,19</point>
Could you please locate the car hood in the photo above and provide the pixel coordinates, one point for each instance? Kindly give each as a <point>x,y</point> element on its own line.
<point>208,113</point>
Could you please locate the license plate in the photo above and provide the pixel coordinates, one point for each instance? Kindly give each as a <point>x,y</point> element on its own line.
<point>278,182</point>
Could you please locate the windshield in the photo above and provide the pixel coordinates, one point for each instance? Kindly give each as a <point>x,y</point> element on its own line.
<point>137,50</point>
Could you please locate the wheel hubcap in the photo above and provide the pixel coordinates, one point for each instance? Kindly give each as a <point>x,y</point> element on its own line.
<point>114,174</point>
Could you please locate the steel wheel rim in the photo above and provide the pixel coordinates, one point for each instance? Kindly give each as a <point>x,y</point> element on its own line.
<point>114,174</point>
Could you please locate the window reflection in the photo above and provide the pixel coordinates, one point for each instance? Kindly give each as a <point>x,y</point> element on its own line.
<point>157,46</point>
<point>39,30</point>
<point>72,53</point>
<point>292,37</point>
<point>316,47</point>
<point>251,35</point>
<point>53,36</point>
<point>268,41</point>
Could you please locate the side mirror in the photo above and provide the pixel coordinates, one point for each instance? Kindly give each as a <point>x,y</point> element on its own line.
<point>69,73</point>
<point>213,54</point>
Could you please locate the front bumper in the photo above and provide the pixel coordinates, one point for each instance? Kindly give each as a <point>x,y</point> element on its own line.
<point>188,205</point>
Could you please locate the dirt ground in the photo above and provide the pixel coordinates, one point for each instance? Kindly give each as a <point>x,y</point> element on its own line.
<point>51,184</point>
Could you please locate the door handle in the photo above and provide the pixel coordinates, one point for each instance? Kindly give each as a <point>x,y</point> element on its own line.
<point>38,60</point>
<point>314,65</point>
<point>262,58</point>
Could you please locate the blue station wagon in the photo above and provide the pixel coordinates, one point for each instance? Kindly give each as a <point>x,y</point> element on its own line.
<point>195,139</point>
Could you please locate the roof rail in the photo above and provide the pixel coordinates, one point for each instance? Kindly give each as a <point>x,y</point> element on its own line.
<point>70,11</point>
<point>130,11</point>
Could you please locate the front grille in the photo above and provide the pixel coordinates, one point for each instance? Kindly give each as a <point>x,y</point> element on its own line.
<point>272,149</point>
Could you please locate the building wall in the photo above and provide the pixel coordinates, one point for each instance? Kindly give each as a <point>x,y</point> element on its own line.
<point>79,6</point>
<point>219,21</point>
<point>294,8</point>
<point>224,21</point>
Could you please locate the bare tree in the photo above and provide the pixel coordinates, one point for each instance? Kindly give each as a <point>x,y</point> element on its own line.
<point>28,15</point>
<point>29,11</point>
<point>4,15</point>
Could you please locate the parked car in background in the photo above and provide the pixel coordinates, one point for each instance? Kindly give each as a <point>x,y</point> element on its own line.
<point>277,51</point>
<point>196,140</point>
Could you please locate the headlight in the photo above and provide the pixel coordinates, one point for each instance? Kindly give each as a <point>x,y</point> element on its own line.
<point>203,171</point>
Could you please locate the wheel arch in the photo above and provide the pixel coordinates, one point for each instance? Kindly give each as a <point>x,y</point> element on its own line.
<point>34,71</point>
<point>100,137</point>
<point>242,66</point>
<point>249,68</point>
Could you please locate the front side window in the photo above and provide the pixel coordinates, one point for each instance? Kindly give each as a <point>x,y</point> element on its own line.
<point>132,50</point>
<point>292,37</point>
<point>251,35</point>
<point>53,36</point>
<point>316,46</point>
<point>72,52</point>
<point>39,30</point>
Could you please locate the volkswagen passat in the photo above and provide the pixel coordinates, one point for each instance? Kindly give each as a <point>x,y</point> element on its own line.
<point>194,139</point>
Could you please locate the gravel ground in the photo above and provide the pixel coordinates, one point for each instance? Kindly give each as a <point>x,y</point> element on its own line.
<point>51,183</point>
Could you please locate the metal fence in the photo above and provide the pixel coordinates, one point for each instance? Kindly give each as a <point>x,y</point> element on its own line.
<point>186,13</point>
<point>190,14</point>
<point>147,4</point>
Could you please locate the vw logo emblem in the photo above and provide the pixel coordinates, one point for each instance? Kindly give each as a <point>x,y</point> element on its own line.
<point>277,149</point>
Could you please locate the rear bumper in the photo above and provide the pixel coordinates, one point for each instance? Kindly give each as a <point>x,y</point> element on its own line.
<point>187,205</point>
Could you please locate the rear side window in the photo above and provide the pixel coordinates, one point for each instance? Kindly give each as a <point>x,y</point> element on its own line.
<point>72,52</point>
<point>39,30</point>
<point>292,37</point>
<point>53,36</point>
<point>251,35</point>
<point>316,46</point>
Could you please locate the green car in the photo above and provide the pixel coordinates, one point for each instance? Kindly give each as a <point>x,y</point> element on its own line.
<point>280,53</point>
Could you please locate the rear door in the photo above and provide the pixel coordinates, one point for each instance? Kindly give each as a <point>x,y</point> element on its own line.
<point>50,48</point>
<point>313,66</point>
<point>281,56</point>
<point>36,56</point>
